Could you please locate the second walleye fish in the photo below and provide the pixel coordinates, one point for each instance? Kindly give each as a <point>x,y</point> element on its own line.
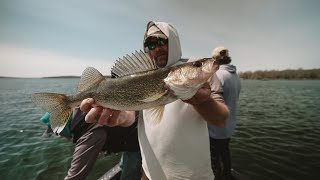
<point>139,85</point>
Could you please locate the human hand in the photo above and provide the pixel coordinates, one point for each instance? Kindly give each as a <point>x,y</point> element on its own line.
<point>105,116</point>
<point>202,95</point>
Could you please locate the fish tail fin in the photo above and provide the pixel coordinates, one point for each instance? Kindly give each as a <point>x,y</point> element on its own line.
<point>57,106</point>
<point>155,114</point>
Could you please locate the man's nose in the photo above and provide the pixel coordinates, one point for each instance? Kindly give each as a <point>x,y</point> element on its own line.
<point>158,48</point>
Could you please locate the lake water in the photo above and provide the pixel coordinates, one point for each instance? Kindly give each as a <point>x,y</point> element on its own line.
<point>277,135</point>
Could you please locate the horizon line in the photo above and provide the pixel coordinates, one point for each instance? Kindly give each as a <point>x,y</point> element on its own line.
<point>77,76</point>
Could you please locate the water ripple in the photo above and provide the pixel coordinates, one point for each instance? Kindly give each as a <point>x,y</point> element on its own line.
<point>277,133</point>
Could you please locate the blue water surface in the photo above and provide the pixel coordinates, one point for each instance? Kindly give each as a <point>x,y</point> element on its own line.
<point>277,134</point>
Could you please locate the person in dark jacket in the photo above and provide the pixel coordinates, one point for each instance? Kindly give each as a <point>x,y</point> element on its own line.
<point>92,139</point>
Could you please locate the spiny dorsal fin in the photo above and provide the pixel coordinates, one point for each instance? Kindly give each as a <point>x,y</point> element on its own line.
<point>89,78</point>
<point>137,62</point>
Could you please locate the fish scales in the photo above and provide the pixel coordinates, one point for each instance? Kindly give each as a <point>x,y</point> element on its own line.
<point>130,91</point>
<point>144,89</point>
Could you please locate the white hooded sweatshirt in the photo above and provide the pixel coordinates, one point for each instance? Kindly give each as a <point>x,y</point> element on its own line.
<point>178,146</point>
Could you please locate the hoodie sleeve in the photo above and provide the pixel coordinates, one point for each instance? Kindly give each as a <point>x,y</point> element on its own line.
<point>216,88</point>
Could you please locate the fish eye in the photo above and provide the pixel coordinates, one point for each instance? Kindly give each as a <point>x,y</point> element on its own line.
<point>197,64</point>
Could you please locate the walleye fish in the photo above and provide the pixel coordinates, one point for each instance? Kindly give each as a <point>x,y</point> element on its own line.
<point>138,85</point>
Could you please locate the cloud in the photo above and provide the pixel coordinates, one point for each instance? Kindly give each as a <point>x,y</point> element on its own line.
<point>261,35</point>
<point>27,62</point>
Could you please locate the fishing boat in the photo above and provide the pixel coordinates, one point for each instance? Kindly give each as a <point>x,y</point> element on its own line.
<point>115,173</point>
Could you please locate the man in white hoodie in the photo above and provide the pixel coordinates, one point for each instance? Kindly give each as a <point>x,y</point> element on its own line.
<point>220,136</point>
<point>177,147</point>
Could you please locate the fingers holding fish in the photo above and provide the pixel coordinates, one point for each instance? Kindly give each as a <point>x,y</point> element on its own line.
<point>202,95</point>
<point>94,114</point>
<point>109,117</point>
<point>126,118</point>
<point>87,104</point>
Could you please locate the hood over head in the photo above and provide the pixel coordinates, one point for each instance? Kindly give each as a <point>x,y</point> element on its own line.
<point>166,31</point>
<point>221,54</point>
<point>220,51</point>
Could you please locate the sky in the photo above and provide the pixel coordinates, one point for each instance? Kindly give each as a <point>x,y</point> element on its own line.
<point>40,38</point>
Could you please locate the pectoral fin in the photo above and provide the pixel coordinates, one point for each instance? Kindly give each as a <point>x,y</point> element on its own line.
<point>155,114</point>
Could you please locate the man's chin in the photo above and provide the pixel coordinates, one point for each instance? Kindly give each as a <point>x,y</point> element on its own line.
<point>162,61</point>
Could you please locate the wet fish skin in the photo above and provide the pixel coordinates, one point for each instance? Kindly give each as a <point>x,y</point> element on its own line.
<point>142,90</point>
<point>132,92</point>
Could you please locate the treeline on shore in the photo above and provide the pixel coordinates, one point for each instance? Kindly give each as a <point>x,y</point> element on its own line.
<point>283,74</point>
<point>64,77</point>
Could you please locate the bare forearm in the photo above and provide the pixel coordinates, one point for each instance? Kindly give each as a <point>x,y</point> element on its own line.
<point>214,112</point>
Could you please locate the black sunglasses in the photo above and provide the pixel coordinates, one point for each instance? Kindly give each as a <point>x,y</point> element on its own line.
<point>154,44</point>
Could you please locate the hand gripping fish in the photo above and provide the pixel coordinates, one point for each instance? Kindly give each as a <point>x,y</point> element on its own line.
<point>138,85</point>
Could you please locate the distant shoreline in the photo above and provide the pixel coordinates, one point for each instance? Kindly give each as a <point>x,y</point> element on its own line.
<point>49,77</point>
<point>288,74</point>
